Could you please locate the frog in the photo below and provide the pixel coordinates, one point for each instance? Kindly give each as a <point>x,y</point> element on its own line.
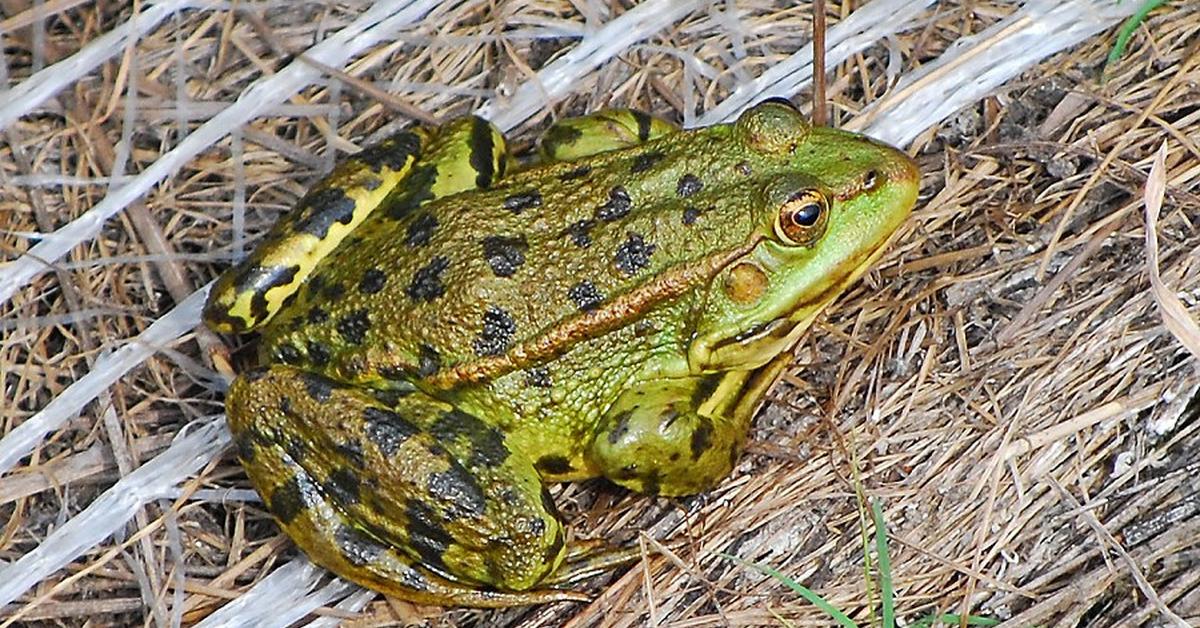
<point>447,330</point>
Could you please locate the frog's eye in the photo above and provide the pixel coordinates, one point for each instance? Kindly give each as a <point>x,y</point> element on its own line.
<point>802,218</point>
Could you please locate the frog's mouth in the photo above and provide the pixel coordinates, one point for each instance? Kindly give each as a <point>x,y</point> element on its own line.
<point>764,341</point>
<point>758,345</point>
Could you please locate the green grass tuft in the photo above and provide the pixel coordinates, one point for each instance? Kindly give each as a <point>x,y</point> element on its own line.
<point>1126,32</point>
<point>886,588</point>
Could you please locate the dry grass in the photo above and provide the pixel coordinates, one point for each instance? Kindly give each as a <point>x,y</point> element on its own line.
<point>1003,380</point>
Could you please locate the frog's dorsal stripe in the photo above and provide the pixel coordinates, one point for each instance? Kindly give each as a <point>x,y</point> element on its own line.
<point>249,295</point>
<point>622,310</point>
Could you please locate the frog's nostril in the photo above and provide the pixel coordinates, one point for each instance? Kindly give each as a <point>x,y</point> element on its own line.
<point>871,180</point>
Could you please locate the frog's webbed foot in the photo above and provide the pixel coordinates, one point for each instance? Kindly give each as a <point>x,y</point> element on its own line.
<point>609,129</point>
<point>415,499</point>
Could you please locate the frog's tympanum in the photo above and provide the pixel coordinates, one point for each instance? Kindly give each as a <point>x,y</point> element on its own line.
<point>443,333</point>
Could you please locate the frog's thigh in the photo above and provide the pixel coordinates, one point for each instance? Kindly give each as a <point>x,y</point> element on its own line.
<point>605,130</point>
<point>400,173</point>
<point>413,499</point>
<point>656,440</point>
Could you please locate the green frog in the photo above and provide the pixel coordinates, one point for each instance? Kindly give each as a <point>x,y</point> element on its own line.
<point>445,332</point>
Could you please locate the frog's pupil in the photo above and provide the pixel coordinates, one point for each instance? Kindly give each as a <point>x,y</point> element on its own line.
<point>807,215</point>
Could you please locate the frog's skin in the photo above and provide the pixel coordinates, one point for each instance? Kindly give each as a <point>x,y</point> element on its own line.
<point>441,339</point>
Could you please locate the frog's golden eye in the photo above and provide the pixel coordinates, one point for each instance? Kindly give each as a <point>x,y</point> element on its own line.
<point>802,218</point>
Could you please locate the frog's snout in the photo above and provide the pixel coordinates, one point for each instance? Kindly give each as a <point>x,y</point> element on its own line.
<point>895,167</point>
<point>903,169</point>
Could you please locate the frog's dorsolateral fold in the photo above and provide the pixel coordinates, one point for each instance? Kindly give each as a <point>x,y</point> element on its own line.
<point>444,332</point>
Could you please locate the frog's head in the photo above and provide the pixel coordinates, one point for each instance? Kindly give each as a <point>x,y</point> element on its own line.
<point>827,203</point>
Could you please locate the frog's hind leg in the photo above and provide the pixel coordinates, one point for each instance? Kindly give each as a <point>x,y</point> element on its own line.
<point>401,173</point>
<point>679,436</point>
<point>411,498</point>
<point>609,129</point>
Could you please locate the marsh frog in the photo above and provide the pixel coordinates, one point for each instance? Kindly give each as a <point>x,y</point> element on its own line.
<point>444,332</point>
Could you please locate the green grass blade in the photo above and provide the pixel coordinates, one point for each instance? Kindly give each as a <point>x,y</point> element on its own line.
<point>887,590</point>
<point>861,500</point>
<point>1127,30</point>
<point>816,600</point>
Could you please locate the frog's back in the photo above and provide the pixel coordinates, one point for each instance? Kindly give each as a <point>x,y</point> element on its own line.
<point>472,285</point>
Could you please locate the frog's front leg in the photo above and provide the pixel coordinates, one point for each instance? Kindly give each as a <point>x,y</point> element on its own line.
<point>679,436</point>
<point>400,173</point>
<point>410,497</point>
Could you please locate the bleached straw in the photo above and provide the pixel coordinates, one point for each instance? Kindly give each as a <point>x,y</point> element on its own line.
<point>383,21</point>
<point>108,369</point>
<point>861,29</point>
<point>108,512</point>
<point>976,66</point>
<point>33,91</point>
<point>1037,26</point>
<point>280,599</point>
<point>563,76</point>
